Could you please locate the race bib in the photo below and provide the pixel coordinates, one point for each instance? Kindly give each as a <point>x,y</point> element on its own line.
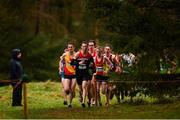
<point>99,69</point>
<point>82,67</point>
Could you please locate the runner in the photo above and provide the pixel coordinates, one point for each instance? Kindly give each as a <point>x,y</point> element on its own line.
<point>61,75</point>
<point>92,70</point>
<point>101,76</point>
<point>82,60</point>
<point>69,82</point>
<point>113,58</point>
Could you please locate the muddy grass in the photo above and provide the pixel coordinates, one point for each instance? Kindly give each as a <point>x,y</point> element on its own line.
<point>45,101</point>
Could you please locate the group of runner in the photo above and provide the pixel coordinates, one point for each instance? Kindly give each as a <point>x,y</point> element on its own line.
<point>89,68</point>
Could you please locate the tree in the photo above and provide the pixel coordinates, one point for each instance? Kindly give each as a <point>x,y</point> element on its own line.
<point>140,26</point>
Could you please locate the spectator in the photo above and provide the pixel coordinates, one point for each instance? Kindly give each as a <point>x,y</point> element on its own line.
<point>16,73</point>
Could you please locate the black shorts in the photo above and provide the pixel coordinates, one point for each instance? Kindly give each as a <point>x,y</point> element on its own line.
<point>101,78</point>
<point>82,77</point>
<point>69,76</point>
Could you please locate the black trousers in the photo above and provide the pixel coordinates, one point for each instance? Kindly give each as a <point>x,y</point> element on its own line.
<point>17,94</point>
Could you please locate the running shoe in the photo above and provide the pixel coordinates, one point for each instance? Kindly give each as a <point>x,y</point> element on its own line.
<point>69,106</point>
<point>89,104</point>
<point>107,105</point>
<point>100,104</point>
<point>83,105</point>
<point>65,102</point>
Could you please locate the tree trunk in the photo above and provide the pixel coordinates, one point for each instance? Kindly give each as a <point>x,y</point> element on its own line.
<point>40,5</point>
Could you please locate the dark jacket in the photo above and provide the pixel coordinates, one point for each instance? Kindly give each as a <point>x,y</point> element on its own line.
<point>16,69</point>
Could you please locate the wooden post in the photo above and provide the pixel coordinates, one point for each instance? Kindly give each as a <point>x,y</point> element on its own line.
<point>25,100</point>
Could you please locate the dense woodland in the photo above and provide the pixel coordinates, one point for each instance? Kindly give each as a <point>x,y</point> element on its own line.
<point>42,28</point>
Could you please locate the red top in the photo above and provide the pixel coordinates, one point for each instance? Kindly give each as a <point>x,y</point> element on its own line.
<point>99,66</point>
<point>85,58</point>
<point>87,55</point>
<point>94,53</point>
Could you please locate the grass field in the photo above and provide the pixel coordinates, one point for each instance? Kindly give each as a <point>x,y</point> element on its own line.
<point>45,101</point>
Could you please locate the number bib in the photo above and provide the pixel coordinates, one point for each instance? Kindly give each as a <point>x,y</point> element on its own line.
<point>99,69</point>
<point>82,67</point>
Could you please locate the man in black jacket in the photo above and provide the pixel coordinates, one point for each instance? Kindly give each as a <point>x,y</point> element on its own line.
<point>16,72</point>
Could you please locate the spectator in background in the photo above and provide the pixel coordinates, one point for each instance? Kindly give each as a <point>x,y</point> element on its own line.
<point>16,73</point>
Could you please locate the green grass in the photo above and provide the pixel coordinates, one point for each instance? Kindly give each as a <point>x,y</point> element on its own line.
<point>45,101</point>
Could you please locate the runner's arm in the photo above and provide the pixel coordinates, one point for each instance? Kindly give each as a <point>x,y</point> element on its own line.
<point>60,62</point>
<point>108,62</point>
<point>117,61</point>
<point>74,60</point>
<point>92,64</point>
